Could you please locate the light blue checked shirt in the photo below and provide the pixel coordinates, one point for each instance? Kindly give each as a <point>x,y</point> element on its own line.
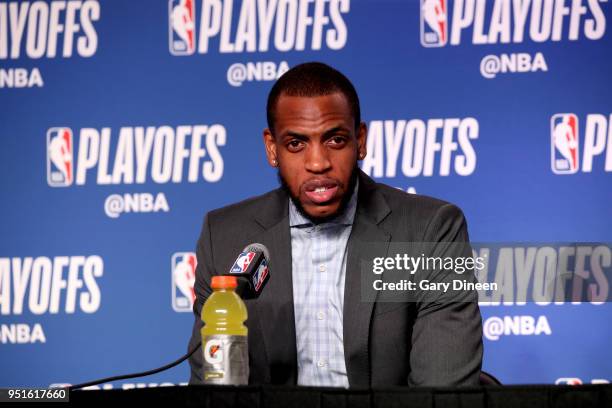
<point>318,272</point>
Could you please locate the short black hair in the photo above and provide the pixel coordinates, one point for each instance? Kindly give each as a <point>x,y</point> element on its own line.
<point>313,79</point>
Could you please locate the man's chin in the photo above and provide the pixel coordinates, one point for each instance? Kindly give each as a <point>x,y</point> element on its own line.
<point>319,213</point>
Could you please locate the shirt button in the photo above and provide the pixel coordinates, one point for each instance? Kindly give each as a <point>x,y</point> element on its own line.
<point>322,268</point>
<point>322,363</point>
<point>321,315</point>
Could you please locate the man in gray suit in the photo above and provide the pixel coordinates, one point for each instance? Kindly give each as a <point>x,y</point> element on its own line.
<point>315,323</point>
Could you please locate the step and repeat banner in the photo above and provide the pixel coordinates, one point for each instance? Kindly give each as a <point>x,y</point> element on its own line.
<point>123,123</point>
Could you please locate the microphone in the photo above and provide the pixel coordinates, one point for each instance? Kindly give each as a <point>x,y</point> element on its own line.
<point>251,269</point>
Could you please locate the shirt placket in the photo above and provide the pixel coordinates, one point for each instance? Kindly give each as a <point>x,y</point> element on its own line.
<point>320,313</point>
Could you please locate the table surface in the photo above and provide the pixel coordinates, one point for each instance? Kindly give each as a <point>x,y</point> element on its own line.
<point>395,397</point>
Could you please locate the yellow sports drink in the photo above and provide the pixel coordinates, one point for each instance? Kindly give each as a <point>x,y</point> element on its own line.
<point>224,335</point>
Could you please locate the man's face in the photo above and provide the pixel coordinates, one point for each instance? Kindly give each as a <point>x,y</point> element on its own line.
<point>316,146</point>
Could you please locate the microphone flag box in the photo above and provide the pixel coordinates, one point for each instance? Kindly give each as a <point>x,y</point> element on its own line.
<point>253,266</point>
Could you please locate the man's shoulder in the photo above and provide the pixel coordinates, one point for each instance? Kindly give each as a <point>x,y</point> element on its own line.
<point>419,205</point>
<point>414,217</point>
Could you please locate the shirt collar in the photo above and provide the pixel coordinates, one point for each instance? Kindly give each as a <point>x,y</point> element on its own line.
<point>346,218</point>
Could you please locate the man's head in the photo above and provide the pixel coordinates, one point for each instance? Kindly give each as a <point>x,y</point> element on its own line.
<point>315,137</point>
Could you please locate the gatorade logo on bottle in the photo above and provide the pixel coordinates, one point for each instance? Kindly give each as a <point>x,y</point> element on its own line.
<point>213,352</point>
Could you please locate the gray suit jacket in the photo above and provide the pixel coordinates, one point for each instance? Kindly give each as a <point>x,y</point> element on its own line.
<point>385,343</point>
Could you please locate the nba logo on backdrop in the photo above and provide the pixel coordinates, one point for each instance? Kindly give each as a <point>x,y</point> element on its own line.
<point>181,16</point>
<point>183,279</point>
<point>59,157</point>
<point>564,143</point>
<point>434,23</point>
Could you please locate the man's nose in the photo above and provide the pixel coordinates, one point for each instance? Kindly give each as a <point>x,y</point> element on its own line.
<point>317,159</point>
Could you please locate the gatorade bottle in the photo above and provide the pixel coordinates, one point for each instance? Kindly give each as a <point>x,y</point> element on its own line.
<point>224,335</point>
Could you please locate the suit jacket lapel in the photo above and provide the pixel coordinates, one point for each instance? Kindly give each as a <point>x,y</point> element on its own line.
<point>275,304</point>
<point>367,240</point>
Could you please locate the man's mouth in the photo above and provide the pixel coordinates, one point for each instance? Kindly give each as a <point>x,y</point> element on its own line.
<point>320,191</point>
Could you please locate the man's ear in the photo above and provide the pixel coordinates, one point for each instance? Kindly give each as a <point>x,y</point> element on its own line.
<point>270,145</point>
<point>362,135</point>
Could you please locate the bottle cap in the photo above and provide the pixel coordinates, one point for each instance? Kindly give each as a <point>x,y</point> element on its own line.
<point>224,282</point>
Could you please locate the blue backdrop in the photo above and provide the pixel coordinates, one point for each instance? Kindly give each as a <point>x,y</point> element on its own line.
<point>123,123</point>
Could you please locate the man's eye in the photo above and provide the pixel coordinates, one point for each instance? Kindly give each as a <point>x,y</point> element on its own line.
<point>337,140</point>
<point>294,144</point>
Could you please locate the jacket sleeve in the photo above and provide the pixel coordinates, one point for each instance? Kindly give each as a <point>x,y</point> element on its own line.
<point>447,332</point>
<point>204,272</point>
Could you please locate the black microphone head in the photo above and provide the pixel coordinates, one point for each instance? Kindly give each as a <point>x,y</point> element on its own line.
<point>254,247</point>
